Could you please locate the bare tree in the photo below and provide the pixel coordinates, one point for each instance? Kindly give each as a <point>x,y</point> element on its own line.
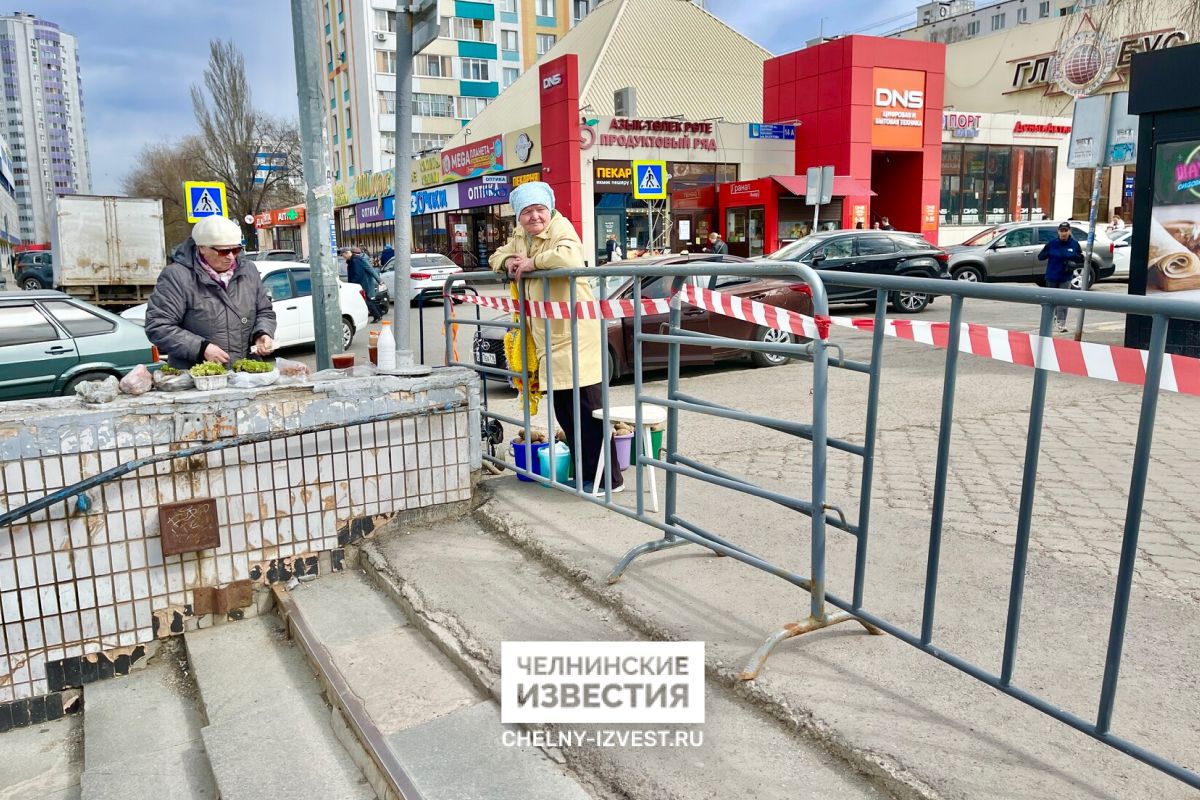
<point>235,134</point>
<point>160,172</point>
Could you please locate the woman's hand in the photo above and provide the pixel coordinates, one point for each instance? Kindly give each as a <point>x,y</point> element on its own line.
<point>214,353</point>
<point>264,345</point>
<point>519,266</point>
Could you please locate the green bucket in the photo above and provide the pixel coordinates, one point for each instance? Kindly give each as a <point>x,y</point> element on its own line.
<point>656,442</point>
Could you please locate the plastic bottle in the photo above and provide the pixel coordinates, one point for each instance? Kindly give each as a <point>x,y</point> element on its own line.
<point>373,347</point>
<point>387,348</point>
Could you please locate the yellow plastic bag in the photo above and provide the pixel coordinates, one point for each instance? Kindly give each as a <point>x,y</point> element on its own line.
<point>518,353</point>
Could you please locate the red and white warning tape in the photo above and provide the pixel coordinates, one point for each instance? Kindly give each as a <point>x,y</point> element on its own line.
<point>1104,362</point>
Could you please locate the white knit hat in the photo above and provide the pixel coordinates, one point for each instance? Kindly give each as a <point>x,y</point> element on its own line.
<point>217,231</point>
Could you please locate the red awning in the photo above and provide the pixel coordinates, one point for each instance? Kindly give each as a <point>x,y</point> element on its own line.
<point>843,185</point>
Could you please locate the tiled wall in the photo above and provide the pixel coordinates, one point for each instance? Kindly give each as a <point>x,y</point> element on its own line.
<point>76,582</point>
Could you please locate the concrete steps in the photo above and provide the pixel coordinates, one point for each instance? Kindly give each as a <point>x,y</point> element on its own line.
<point>423,714</point>
<point>142,736</point>
<point>268,731</point>
<point>469,591</point>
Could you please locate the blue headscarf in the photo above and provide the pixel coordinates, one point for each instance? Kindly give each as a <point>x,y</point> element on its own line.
<point>534,193</point>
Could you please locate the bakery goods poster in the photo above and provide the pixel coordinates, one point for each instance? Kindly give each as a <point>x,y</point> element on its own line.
<point>1173,259</point>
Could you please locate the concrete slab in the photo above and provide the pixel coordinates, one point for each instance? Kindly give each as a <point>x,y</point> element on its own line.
<point>181,772</point>
<point>269,732</point>
<point>401,678</point>
<point>744,753</point>
<point>460,756</point>
<point>42,762</point>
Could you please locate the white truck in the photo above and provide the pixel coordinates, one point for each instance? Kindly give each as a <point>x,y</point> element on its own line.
<point>107,250</point>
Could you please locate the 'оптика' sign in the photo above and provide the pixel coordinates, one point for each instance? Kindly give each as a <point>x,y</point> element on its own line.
<point>481,192</point>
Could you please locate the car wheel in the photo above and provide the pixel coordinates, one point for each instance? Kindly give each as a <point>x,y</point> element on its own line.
<point>909,302</point>
<point>69,387</point>
<point>347,333</point>
<point>770,336</point>
<point>1077,277</point>
<point>969,274</point>
<point>32,284</point>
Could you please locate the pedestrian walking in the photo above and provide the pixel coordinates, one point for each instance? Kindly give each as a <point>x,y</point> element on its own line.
<point>545,239</point>
<point>612,249</point>
<point>387,254</point>
<point>360,271</point>
<point>1061,255</point>
<point>210,303</point>
<point>716,245</point>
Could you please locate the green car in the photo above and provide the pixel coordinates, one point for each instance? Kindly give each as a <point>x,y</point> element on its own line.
<point>50,341</point>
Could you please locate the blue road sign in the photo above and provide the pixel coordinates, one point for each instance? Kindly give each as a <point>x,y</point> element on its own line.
<point>762,131</point>
<point>204,199</point>
<point>650,180</point>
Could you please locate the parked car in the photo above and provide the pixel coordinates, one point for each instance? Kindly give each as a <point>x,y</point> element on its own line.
<point>290,285</point>
<point>1121,240</point>
<point>272,255</point>
<point>34,270</point>
<point>428,274</point>
<point>781,291</point>
<point>872,252</point>
<point>1010,253</point>
<point>49,342</point>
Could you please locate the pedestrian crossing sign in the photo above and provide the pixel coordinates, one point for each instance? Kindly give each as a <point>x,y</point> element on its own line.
<point>204,199</point>
<point>650,180</point>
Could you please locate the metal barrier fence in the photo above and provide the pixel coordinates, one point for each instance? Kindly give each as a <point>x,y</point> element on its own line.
<point>678,531</point>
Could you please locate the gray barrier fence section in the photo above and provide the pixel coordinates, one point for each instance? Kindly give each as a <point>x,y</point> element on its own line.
<point>678,531</point>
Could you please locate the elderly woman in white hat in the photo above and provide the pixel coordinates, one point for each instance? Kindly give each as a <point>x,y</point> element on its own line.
<point>210,303</point>
<point>545,239</point>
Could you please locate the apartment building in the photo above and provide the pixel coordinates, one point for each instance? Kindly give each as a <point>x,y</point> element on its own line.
<point>950,21</point>
<point>42,118</point>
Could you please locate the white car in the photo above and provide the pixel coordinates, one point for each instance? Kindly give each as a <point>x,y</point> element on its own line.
<point>290,285</point>
<point>428,274</point>
<point>1121,240</point>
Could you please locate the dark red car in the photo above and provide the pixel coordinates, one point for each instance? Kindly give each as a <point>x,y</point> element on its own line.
<point>782,291</point>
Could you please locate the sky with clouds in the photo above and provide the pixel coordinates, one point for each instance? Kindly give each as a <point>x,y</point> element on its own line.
<point>139,57</point>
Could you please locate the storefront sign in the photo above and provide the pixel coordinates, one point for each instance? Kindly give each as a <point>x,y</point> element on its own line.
<point>1089,60</point>
<point>962,126</point>
<point>759,131</point>
<point>612,177</point>
<point>483,192</point>
<point>1173,256</point>
<point>898,107</point>
<point>701,197</point>
<point>1040,129</point>
<point>427,171</point>
<point>262,220</point>
<point>745,191</point>
<point>288,216</point>
<point>658,134</point>
<point>521,176</point>
<point>375,210</point>
<point>523,146</point>
<point>431,201</point>
<point>474,159</point>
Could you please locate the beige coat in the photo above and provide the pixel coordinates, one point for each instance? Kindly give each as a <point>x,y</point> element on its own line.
<point>557,246</point>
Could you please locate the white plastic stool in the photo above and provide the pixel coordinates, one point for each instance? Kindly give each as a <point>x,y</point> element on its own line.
<point>651,415</point>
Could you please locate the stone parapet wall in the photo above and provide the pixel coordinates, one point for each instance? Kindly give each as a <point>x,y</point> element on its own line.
<point>87,579</point>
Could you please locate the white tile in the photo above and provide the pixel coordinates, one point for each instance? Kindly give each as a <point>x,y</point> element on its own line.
<point>224,570</point>
<point>241,566</point>
<point>48,600</point>
<point>41,539</point>
<point>67,600</point>
<point>122,588</point>
<point>26,572</point>
<point>10,607</point>
<point>8,575</point>
<point>125,621</point>
<point>100,560</point>
<point>158,581</point>
<point>140,582</point>
<point>14,633</point>
<point>119,558</point>
<point>53,630</point>
<point>104,591</point>
<point>127,639</point>
<point>142,616</point>
<point>137,554</point>
<point>33,634</point>
<point>85,592</point>
<point>54,472</point>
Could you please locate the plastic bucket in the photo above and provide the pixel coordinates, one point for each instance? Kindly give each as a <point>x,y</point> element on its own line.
<point>623,445</point>
<point>656,443</point>
<point>562,462</point>
<point>523,460</point>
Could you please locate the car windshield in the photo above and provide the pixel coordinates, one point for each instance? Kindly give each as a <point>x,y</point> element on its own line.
<point>795,251</point>
<point>985,237</point>
<point>611,284</point>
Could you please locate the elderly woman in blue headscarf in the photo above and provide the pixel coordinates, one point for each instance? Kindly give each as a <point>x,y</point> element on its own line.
<point>545,239</point>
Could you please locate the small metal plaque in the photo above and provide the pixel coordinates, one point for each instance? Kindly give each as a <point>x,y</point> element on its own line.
<point>189,526</point>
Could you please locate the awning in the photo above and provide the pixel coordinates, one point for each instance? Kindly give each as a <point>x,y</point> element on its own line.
<point>843,185</point>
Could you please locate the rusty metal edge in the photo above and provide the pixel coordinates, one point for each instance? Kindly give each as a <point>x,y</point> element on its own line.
<point>347,702</point>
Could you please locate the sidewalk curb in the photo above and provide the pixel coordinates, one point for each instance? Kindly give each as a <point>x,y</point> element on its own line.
<point>881,768</point>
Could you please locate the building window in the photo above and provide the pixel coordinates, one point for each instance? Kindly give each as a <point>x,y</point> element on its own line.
<point>545,41</point>
<point>992,184</point>
<point>468,30</point>
<point>385,20</point>
<point>387,142</point>
<point>509,6</point>
<point>580,9</point>
<point>998,21</point>
<point>510,75</point>
<point>1044,8</point>
<point>469,107</point>
<point>425,142</point>
<point>387,102</point>
<point>433,105</point>
<point>973,28</point>
<point>432,66</point>
<point>545,8</point>
<point>473,69</point>
<point>508,41</point>
<point>385,61</point>
<point>1022,15</point>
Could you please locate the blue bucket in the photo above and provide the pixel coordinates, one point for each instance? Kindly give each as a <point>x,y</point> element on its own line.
<point>522,459</point>
<point>562,462</point>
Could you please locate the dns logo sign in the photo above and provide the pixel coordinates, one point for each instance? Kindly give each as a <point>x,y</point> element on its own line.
<point>893,98</point>
<point>550,81</point>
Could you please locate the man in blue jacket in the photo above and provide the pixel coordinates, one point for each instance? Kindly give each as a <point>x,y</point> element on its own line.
<point>1061,255</point>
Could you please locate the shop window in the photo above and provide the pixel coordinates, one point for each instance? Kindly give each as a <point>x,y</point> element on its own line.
<point>1081,202</point>
<point>974,176</point>
<point>998,204</point>
<point>951,183</point>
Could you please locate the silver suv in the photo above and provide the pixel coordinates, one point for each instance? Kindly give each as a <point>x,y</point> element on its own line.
<point>1010,253</point>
